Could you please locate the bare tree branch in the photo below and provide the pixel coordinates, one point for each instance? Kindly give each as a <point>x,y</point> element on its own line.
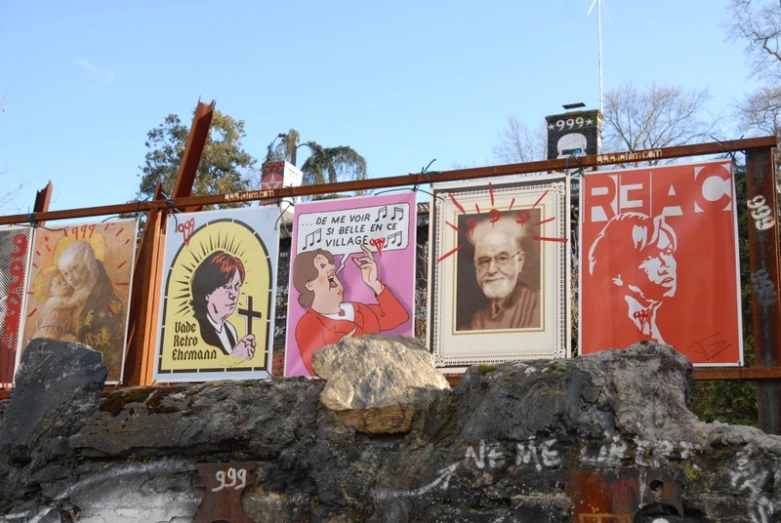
<point>9,198</point>
<point>519,144</point>
<point>758,24</point>
<point>760,112</point>
<point>655,117</point>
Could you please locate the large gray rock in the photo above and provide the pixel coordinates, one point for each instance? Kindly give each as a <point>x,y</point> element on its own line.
<point>374,383</point>
<point>599,438</point>
<point>51,373</point>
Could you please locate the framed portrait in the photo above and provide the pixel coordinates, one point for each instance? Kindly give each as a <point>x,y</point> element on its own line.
<point>499,271</point>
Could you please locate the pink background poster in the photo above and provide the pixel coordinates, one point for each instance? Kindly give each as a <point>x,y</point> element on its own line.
<point>352,272</point>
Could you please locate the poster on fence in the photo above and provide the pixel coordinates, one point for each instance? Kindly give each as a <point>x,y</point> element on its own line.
<point>79,287</point>
<point>659,261</point>
<point>15,244</point>
<point>499,272</point>
<point>352,273</point>
<point>217,304</point>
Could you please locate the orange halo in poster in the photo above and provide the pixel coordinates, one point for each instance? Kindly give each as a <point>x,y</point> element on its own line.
<point>659,261</point>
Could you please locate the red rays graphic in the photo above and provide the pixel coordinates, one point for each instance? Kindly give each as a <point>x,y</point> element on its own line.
<point>491,192</point>
<point>121,264</point>
<point>512,203</point>
<point>539,199</point>
<point>455,202</point>
<point>546,220</point>
<point>547,239</point>
<point>523,217</point>
<point>120,231</point>
<point>454,227</point>
<point>448,254</point>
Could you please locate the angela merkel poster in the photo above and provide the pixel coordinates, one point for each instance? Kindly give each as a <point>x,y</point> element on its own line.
<point>659,261</point>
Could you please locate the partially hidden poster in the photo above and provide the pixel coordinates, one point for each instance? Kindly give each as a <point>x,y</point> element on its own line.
<point>659,261</point>
<point>79,287</point>
<point>217,303</point>
<point>352,273</point>
<point>15,244</point>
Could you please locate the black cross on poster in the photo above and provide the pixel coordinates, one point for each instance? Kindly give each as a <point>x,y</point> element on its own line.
<point>250,314</point>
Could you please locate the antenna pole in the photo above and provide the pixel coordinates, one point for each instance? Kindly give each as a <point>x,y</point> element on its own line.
<point>599,38</point>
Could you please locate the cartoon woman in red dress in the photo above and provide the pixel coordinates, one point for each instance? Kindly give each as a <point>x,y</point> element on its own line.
<point>329,318</point>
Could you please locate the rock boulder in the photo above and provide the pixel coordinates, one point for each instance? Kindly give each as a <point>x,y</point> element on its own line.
<point>374,383</point>
<point>603,438</point>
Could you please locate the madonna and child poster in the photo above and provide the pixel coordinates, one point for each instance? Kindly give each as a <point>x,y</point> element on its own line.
<point>352,273</point>
<point>217,307</point>
<point>499,271</point>
<point>79,287</point>
<point>659,261</point>
<point>15,245</point>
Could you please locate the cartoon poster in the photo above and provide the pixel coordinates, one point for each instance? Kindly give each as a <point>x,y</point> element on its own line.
<point>79,287</point>
<point>15,243</point>
<point>352,273</point>
<point>499,273</point>
<point>659,261</point>
<point>217,301</point>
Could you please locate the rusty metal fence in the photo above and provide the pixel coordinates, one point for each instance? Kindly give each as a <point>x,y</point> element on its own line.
<point>763,240</point>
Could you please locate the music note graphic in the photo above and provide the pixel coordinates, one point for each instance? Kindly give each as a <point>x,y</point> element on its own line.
<point>399,211</point>
<point>310,238</point>
<point>395,239</point>
<point>382,213</point>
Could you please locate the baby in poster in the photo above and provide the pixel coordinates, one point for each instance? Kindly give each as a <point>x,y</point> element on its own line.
<point>79,287</point>
<point>352,273</point>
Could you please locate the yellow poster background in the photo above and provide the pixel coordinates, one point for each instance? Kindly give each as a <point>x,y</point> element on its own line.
<point>182,348</point>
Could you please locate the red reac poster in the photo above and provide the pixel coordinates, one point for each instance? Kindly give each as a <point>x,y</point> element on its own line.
<point>659,261</point>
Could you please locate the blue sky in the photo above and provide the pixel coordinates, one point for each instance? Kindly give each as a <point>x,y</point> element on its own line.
<point>402,83</point>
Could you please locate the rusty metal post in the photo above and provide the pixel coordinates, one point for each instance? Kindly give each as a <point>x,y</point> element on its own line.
<point>763,240</point>
<point>145,299</point>
<point>42,199</point>
<point>143,314</point>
